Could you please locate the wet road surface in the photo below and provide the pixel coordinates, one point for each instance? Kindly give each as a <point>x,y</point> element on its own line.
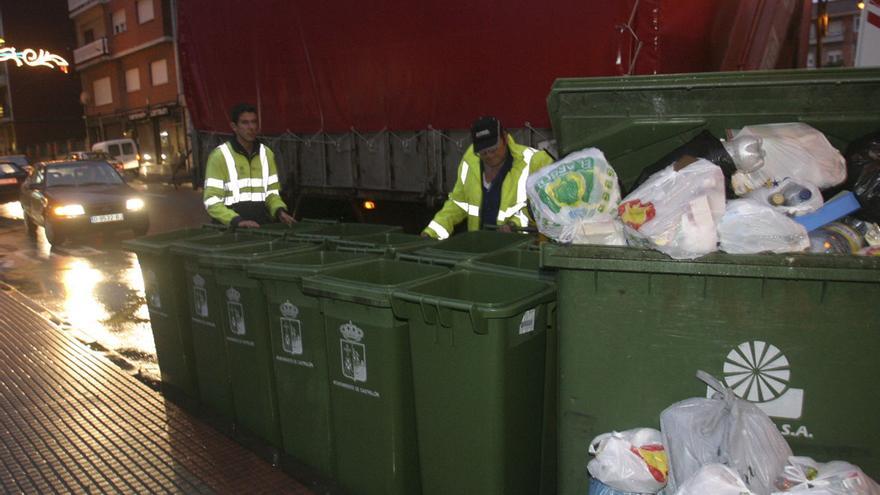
<point>94,287</point>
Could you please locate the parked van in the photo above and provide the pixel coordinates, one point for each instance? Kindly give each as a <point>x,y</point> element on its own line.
<point>125,150</point>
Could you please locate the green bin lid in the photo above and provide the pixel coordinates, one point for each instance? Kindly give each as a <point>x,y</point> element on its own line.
<point>388,242</point>
<point>240,257</point>
<point>464,246</point>
<point>805,266</point>
<point>480,294</point>
<point>370,283</point>
<point>344,230</point>
<point>204,245</point>
<point>159,243</point>
<point>293,267</point>
<point>519,262</point>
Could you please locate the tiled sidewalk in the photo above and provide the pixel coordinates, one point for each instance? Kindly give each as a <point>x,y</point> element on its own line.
<point>71,422</point>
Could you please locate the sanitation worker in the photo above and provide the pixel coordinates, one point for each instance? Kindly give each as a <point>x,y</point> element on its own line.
<point>490,188</point>
<point>241,179</point>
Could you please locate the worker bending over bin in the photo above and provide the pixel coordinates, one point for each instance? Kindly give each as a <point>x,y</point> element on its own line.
<point>490,187</point>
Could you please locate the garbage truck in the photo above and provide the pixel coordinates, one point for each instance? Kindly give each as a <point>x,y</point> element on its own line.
<point>373,102</point>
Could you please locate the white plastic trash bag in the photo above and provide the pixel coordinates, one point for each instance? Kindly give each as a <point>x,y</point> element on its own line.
<point>806,476</point>
<point>714,479</point>
<point>793,150</point>
<point>630,461</point>
<point>676,211</point>
<point>575,200</point>
<point>723,430</point>
<point>751,227</point>
<point>788,196</point>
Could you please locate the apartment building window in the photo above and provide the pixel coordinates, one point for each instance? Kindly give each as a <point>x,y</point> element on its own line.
<point>145,11</point>
<point>834,57</point>
<point>835,28</point>
<point>101,88</point>
<point>159,72</point>
<point>133,80</point>
<point>119,21</point>
<point>88,36</point>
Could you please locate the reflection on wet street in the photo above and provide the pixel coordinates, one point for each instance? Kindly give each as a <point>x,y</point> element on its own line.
<point>92,285</point>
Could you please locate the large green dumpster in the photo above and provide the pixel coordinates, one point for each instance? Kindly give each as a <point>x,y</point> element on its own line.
<point>164,289</point>
<point>245,327</point>
<point>205,305</point>
<point>370,373</point>
<point>299,353</point>
<point>478,342</point>
<point>387,243</point>
<point>796,334</point>
<point>465,245</point>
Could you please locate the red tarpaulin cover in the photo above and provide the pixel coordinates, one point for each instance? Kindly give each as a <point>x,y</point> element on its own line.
<point>333,66</point>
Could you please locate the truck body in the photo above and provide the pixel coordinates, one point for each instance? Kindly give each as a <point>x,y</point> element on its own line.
<point>362,100</point>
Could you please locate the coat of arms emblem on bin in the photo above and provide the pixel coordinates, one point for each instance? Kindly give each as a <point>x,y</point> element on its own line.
<point>759,372</point>
<point>354,353</point>
<point>150,287</point>
<point>291,329</point>
<point>200,296</point>
<point>236,311</point>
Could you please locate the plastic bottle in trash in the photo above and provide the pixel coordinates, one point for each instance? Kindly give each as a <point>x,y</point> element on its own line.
<point>836,238</point>
<point>791,194</point>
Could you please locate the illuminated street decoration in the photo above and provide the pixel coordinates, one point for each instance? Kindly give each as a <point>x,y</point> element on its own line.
<point>32,58</point>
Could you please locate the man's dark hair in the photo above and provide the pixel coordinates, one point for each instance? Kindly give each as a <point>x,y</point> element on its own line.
<point>239,109</point>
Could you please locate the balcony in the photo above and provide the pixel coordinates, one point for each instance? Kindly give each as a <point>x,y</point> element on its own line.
<point>90,50</point>
<point>76,7</point>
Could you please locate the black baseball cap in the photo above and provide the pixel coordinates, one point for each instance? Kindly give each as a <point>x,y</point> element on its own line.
<point>485,133</point>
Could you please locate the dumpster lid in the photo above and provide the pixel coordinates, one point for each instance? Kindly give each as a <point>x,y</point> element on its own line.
<point>379,243</point>
<point>240,257</point>
<point>293,267</point>
<point>344,230</point>
<point>213,243</point>
<point>159,243</point>
<point>481,295</point>
<point>805,266</point>
<point>370,283</point>
<point>466,245</point>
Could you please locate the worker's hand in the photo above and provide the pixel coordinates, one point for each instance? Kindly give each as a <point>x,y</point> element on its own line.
<point>425,235</point>
<point>286,218</point>
<point>505,228</point>
<point>248,224</point>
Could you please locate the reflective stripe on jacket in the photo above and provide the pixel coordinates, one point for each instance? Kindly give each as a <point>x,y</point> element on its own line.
<point>231,178</point>
<point>467,194</point>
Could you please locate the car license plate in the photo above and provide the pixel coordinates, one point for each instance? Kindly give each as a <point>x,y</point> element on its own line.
<point>8,181</point>
<point>113,217</point>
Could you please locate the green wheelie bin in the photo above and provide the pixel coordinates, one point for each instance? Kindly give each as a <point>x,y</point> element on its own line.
<point>478,344</point>
<point>386,243</point>
<point>370,375</point>
<point>796,334</point>
<point>245,328</point>
<point>205,305</point>
<point>463,246</point>
<point>164,289</point>
<point>299,353</point>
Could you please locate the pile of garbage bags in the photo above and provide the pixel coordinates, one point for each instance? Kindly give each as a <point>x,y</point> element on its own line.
<point>722,445</point>
<point>761,190</point>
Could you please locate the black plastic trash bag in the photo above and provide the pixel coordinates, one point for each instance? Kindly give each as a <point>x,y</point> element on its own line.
<point>863,174</point>
<point>703,145</point>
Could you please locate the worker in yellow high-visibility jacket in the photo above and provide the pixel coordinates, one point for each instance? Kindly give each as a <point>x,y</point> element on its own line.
<point>490,187</point>
<point>241,178</point>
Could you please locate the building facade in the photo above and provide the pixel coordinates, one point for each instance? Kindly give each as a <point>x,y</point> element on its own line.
<point>40,114</point>
<point>127,61</point>
<point>838,45</point>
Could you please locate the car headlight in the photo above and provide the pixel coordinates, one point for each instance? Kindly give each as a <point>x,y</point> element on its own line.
<point>147,157</point>
<point>134,204</point>
<point>69,210</point>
